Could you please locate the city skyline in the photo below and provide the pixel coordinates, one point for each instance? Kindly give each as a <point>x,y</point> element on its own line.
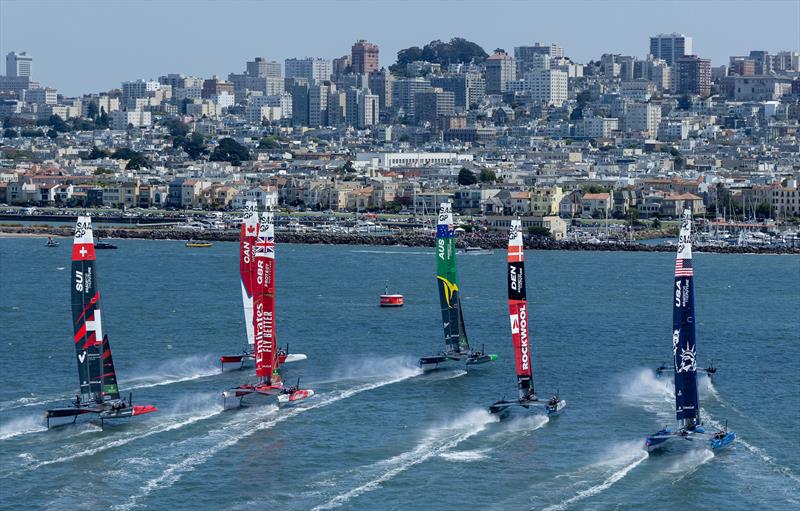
<point>220,50</point>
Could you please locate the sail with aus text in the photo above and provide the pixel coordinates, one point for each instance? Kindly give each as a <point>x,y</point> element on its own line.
<point>455,335</point>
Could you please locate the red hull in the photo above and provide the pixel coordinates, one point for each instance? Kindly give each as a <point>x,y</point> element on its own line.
<point>391,300</point>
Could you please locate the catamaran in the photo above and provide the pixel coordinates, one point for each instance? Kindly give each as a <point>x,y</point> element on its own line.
<point>247,243</point>
<point>99,393</point>
<point>457,347</point>
<point>268,361</point>
<point>518,312</point>
<point>687,407</point>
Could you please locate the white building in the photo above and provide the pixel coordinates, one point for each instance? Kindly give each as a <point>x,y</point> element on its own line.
<point>309,68</point>
<point>44,96</point>
<point>389,160</point>
<point>120,120</point>
<point>368,110</point>
<point>18,64</point>
<point>643,118</point>
<point>547,86</point>
<point>266,197</point>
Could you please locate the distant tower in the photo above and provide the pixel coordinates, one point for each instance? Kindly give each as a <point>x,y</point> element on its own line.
<point>670,47</point>
<point>364,57</point>
<point>19,64</point>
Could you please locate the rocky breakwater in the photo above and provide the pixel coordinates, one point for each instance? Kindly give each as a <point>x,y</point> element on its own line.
<point>411,239</point>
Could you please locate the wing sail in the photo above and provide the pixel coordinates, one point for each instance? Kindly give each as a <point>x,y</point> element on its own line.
<point>683,329</point>
<point>264,300</point>
<point>86,314</point>
<point>518,310</point>
<point>455,335</point>
<point>247,241</point>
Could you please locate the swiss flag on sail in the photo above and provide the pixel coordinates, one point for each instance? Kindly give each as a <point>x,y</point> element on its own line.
<point>83,252</point>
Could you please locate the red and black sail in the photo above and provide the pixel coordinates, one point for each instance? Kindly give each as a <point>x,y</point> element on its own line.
<point>518,311</point>
<point>96,373</point>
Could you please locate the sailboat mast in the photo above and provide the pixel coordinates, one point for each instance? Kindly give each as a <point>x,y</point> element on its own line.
<point>684,352</point>
<point>86,316</point>
<point>264,298</point>
<point>247,241</point>
<point>455,336</point>
<point>518,310</point>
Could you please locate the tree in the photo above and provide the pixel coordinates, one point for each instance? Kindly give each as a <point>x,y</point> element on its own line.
<point>765,210</point>
<point>539,232</point>
<point>466,177</point>
<point>231,151</point>
<point>685,102</point>
<point>269,143</point>
<point>102,121</point>
<point>176,127</point>
<point>96,153</point>
<point>439,52</point>
<point>137,162</point>
<point>487,175</point>
<point>656,223</point>
<point>99,171</point>
<point>9,133</point>
<point>58,124</point>
<point>596,189</point>
<point>195,145</point>
<point>91,110</point>
<point>52,134</point>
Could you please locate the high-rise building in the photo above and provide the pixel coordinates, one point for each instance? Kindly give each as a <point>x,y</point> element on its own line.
<point>312,69</point>
<point>139,89</point>
<point>404,93</point>
<point>352,100</point>
<point>741,66</point>
<point>762,60</point>
<point>318,104</point>
<point>262,68</point>
<point>670,47</point>
<point>368,111</point>
<point>364,57</point>
<point>524,56</point>
<point>380,83</point>
<point>341,66</point>
<point>215,86</point>
<point>693,75</point>
<point>299,92</point>
<point>499,70</point>
<point>432,104</point>
<point>549,86</point>
<point>643,118</point>
<point>18,64</point>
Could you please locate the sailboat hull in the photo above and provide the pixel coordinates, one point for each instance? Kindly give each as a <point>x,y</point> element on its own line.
<point>668,440</point>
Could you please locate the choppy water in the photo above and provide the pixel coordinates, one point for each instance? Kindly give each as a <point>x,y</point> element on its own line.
<point>380,436</point>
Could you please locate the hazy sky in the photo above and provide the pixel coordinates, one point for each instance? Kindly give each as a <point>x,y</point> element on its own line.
<point>89,46</point>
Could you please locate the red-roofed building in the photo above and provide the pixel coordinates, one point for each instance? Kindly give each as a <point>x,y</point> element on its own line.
<point>592,203</point>
<point>673,204</point>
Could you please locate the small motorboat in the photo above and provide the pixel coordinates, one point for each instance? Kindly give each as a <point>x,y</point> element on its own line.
<point>199,244</point>
<point>104,245</point>
<point>476,251</point>
<point>51,242</point>
<point>391,300</point>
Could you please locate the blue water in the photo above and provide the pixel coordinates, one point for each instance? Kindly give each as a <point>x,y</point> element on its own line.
<point>379,435</point>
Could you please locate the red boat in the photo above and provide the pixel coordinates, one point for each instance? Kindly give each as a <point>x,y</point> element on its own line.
<point>389,300</point>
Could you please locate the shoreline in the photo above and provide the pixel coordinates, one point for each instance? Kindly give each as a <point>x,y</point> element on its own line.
<point>494,241</point>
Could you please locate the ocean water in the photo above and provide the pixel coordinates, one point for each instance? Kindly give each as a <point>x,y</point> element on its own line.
<point>379,435</point>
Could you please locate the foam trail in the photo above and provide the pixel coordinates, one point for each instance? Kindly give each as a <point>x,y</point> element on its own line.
<point>599,488</point>
<point>436,443</point>
<point>126,440</point>
<point>758,451</point>
<point>647,391</point>
<point>176,371</point>
<point>464,456</point>
<point>174,472</point>
<point>21,426</point>
<point>689,463</point>
<point>31,401</point>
